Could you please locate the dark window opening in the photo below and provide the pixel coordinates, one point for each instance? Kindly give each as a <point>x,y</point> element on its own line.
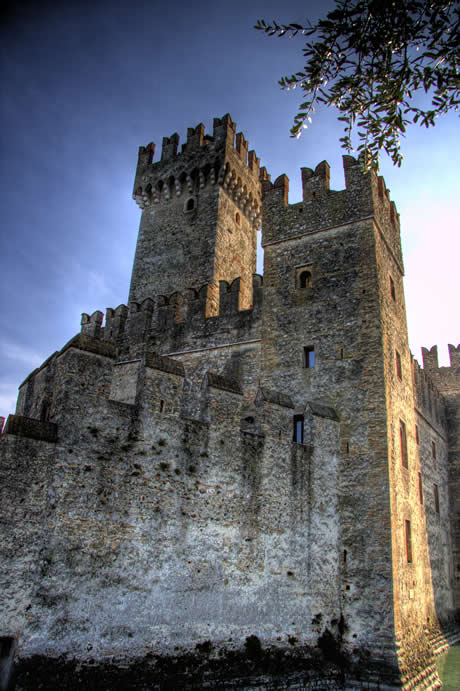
<point>392,289</point>
<point>45,412</point>
<point>344,556</point>
<point>347,447</point>
<point>298,429</point>
<point>420,488</point>
<point>238,219</point>
<point>398,365</point>
<point>309,356</point>
<point>417,438</point>
<point>190,205</point>
<point>433,450</point>
<point>305,279</point>
<point>436,499</point>
<point>408,542</point>
<point>403,442</point>
<point>249,420</point>
<point>162,406</point>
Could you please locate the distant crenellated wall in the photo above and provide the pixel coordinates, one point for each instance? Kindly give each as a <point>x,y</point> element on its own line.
<point>447,382</point>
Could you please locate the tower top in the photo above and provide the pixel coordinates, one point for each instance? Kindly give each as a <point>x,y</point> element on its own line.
<point>199,150</point>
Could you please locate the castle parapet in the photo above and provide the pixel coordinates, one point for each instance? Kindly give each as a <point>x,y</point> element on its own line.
<point>91,325</point>
<point>430,358</point>
<point>317,183</point>
<point>454,354</point>
<point>447,379</point>
<point>204,160</point>
<point>169,147</point>
<point>365,196</point>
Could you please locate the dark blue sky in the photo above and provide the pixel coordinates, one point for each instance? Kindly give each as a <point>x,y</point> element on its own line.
<point>84,84</point>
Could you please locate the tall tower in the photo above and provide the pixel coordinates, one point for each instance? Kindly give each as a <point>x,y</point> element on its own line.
<point>334,331</point>
<point>201,208</point>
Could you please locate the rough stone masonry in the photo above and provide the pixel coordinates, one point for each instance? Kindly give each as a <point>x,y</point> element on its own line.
<point>237,481</point>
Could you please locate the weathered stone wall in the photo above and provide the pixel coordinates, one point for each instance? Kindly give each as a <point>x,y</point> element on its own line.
<point>414,608</point>
<point>173,531</point>
<point>159,508</point>
<point>200,209</point>
<point>447,380</point>
<point>337,315</point>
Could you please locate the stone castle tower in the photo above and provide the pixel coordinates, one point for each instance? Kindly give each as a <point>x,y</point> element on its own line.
<point>236,477</point>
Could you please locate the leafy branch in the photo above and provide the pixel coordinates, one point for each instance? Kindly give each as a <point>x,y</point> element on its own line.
<point>370,59</point>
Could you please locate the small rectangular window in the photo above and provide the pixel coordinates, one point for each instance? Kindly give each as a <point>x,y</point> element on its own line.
<point>436,499</point>
<point>433,450</point>
<point>298,429</point>
<point>417,438</point>
<point>309,356</point>
<point>403,443</point>
<point>392,289</point>
<point>398,365</point>
<point>408,542</point>
<point>420,488</point>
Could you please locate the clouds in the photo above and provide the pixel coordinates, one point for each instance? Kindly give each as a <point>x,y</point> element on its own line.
<point>18,352</point>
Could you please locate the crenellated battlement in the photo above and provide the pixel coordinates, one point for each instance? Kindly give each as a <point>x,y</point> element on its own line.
<point>427,397</point>
<point>217,159</point>
<point>365,195</point>
<point>447,379</point>
<point>163,313</point>
<point>430,357</point>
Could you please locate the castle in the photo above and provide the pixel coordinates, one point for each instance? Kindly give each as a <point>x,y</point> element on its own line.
<point>237,480</point>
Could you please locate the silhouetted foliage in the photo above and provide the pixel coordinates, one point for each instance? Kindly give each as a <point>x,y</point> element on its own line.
<point>370,59</point>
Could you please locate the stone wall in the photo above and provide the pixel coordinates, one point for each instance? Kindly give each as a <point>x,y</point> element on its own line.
<point>217,480</point>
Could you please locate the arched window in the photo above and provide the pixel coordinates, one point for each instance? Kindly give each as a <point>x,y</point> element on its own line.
<point>237,219</point>
<point>190,204</point>
<point>305,279</point>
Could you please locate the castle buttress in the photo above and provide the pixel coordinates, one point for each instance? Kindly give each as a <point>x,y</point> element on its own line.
<point>237,476</point>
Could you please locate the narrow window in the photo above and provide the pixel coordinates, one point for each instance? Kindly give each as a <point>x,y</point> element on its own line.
<point>403,442</point>
<point>398,365</point>
<point>305,279</point>
<point>433,450</point>
<point>298,429</point>
<point>238,219</point>
<point>420,488</point>
<point>190,205</point>
<point>408,543</point>
<point>436,499</point>
<point>309,356</point>
<point>392,289</point>
<point>162,406</point>
<point>45,411</point>
<point>417,438</point>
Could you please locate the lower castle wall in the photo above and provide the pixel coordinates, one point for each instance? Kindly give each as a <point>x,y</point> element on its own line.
<point>153,531</point>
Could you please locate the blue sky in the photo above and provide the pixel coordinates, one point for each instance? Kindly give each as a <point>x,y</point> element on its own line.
<point>85,83</point>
